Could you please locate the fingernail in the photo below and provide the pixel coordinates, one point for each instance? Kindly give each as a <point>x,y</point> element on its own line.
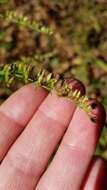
<point>76,85</point>
<point>94,105</point>
<point>98,111</point>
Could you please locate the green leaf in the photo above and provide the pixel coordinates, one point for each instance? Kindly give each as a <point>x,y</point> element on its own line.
<point>101,64</point>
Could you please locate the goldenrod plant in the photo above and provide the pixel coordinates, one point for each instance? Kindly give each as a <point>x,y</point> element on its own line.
<point>22,69</point>
<point>23,21</point>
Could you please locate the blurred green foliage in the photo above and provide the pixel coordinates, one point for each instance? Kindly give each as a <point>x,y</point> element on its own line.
<point>3,1</point>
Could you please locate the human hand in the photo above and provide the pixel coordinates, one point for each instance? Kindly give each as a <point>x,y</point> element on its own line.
<point>31,125</point>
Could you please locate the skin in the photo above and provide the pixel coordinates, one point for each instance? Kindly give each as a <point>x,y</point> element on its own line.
<point>32,123</point>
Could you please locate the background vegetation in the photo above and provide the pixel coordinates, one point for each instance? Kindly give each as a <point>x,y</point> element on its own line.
<point>78,49</point>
